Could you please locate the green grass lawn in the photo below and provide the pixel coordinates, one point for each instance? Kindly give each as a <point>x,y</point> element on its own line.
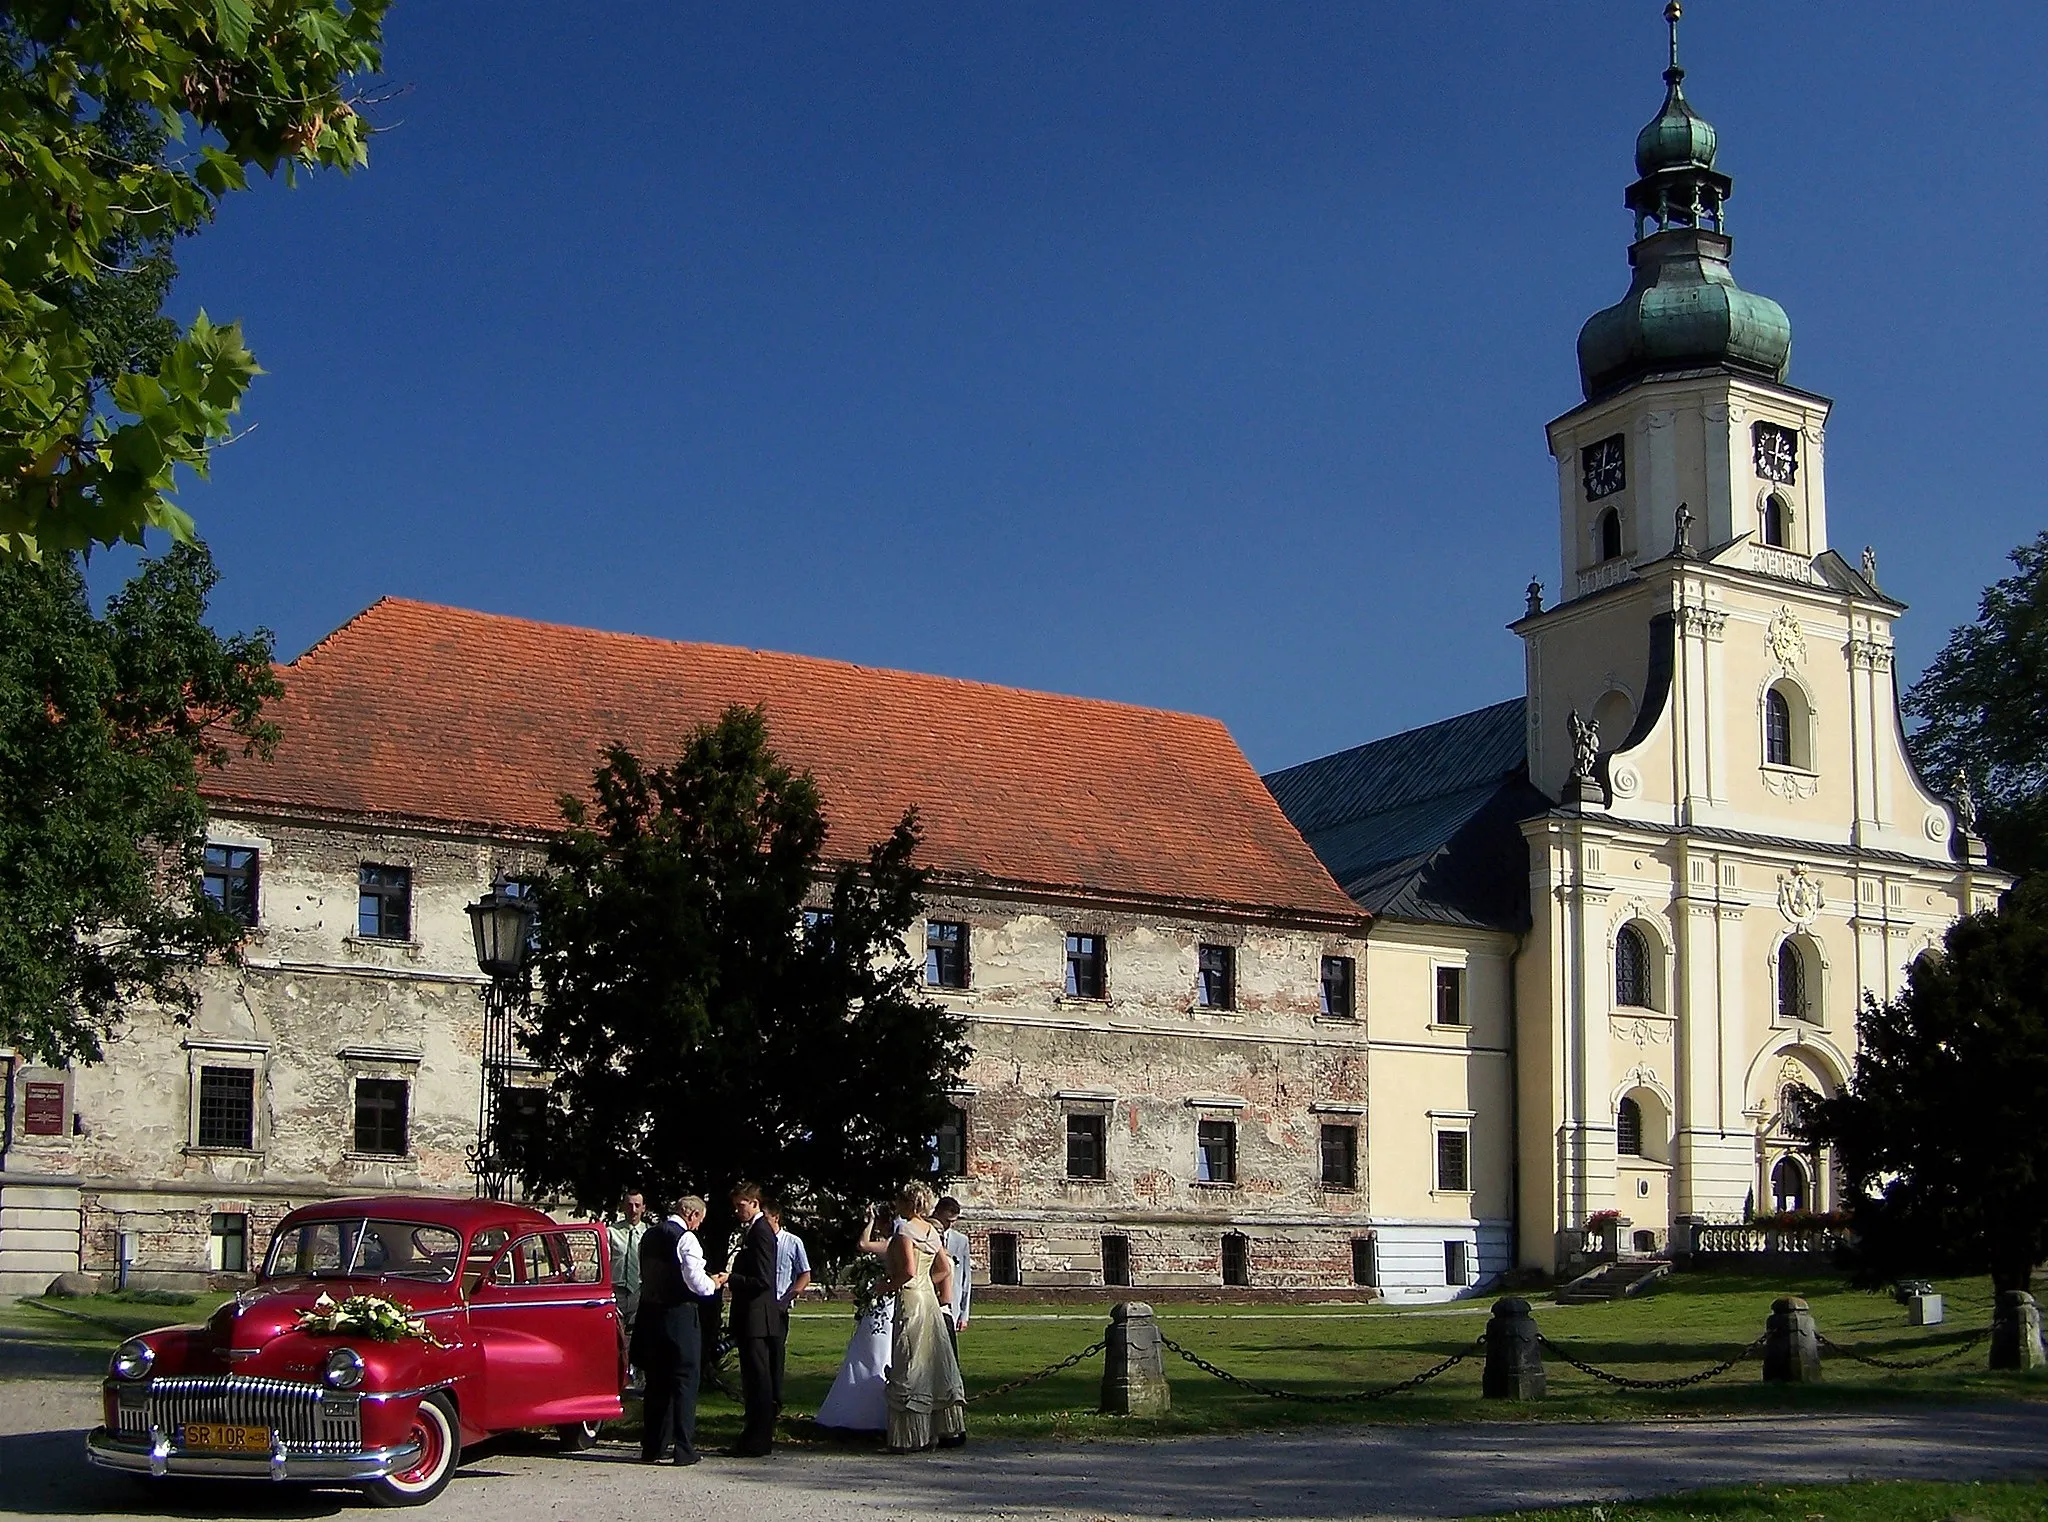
<point>95,1324</point>
<point>1688,1323</point>
<point>1874,1501</point>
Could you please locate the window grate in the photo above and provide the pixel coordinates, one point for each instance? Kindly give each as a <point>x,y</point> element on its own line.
<point>227,1108</point>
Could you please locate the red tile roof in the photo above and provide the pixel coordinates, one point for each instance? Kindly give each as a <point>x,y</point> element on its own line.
<point>441,715</point>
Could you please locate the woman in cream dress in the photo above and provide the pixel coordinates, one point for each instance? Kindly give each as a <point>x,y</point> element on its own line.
<point>927,1401</point>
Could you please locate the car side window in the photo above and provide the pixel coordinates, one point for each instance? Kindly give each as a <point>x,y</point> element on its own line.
<point>483,1249</point>
<point>568,1256</point>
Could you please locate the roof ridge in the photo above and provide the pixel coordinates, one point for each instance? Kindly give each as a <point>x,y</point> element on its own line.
<point>1398,736</point>
<point>629,636</point>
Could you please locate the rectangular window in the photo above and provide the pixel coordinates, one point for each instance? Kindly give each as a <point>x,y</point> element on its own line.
<point>229,879</point>
<point>1085,967</point>
<point>227,1251</point>
<point>818,929</point>
<point>1450,996</point>
<point>1216,977</point>
<point>1338,977</point>
<point>1087,1135</point>
<point>1457,1262</point>
<point>1003,1267</point>
<point>1340,1156</point>
<point>1453,1171</point>
<point>945,954</point>
<point>1116,1261</point>
<point>381,1106</point>
<point>227,1108</point>
<point>1216,1151</point>
<point>952,1143</point>
<point>1365,1262</point>
<point>1237,1259</point>
<point>384,903</point>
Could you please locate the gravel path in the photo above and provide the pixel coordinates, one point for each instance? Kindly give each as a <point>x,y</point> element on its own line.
<point>1384,1472</point>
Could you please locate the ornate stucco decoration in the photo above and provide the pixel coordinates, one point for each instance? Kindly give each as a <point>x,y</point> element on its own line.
<point>1799,897</point>
<point>1870,655</point>
<point>1706,623</point>
<point>1624,779</point>
<point>1789,784</point>
<point>1639,1032</point>
<point>1785,639</point>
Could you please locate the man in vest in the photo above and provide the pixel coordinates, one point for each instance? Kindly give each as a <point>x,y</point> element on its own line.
<point>666,1343</point>
<point>757,1322</point>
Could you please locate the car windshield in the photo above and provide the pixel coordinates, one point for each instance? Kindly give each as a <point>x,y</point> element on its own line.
<point>385,1249</point>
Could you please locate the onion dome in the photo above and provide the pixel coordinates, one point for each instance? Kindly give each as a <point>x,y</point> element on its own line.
<point>1683,310</point>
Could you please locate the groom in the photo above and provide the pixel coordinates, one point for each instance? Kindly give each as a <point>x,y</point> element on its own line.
<point>757,1325</point>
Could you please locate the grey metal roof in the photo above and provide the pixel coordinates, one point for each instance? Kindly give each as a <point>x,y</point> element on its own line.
<point>1422,825</point>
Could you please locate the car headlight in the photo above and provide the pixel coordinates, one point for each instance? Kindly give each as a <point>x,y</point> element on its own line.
<point>344,1369</point>
<point>133,1359</point>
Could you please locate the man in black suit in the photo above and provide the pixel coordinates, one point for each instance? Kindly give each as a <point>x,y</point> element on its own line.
<point>665,1337</point>
<point>757,1323</point>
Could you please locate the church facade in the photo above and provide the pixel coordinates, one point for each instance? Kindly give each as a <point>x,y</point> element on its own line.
<point>1393,1021</point>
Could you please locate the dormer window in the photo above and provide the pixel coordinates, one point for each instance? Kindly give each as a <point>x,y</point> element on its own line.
<point>1610,535</point>
<point>1604,466</point>
<point>1777,453</point>
<point>1777,516</point>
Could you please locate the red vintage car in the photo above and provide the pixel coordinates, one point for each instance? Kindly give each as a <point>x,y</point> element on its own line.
<point>493,1317</point>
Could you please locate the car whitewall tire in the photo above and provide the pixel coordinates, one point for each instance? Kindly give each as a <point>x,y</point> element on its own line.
<point>436,1430</point>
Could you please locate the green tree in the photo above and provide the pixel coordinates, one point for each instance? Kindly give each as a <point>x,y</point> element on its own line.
<point>1983,711</point>
<point>699,1026</point>
<point>100,404</point>
<point>1939,1132</point>
<point>105,722</point>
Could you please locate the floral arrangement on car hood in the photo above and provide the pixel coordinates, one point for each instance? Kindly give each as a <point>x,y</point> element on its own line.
<point>370,1316</point>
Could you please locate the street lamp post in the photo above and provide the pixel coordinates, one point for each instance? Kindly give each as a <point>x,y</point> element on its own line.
<point>502,922</point>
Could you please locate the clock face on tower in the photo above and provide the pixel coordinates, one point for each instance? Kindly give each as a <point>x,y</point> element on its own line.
<point>1603,466</point>
<point>1777,453</point>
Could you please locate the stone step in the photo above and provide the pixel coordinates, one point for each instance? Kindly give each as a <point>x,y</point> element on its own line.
<point>1613,1281</point>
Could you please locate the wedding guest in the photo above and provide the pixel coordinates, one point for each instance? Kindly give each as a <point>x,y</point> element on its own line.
<point>927,1402</point>
<point>757,1323</point>
<point>665,1338</point>
<point>792,1278</point>
<point>626,1234</point>
<point>944,1214</point>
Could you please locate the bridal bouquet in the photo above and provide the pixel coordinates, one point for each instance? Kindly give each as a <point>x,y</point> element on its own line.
<point>866,1274</point>
<point>370,1316</point>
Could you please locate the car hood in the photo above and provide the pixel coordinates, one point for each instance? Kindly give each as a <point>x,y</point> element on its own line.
<point>256,1317</point>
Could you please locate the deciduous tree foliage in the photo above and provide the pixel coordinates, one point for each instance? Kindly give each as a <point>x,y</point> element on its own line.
<point>1944,1113</point>
<point>92,430</point>
<point>105,722</point>
<point>1983,711</point>
<point>698,1032</point>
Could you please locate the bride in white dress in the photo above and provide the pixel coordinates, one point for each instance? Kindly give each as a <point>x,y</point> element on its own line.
<point>859,1398</point>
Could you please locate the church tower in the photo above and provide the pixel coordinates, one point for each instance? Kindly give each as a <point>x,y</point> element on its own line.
<point>1742,847</point>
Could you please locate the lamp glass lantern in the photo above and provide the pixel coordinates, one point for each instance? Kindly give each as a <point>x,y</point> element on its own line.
<point>502,921</point>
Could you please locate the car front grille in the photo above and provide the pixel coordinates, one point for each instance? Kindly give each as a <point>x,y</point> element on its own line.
<point>308,1418</point>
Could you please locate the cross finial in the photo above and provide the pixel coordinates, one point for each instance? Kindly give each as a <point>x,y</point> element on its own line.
<point>1672,12</point>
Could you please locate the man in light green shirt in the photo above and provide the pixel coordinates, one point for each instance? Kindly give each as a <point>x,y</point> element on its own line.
<point>626,1234</point>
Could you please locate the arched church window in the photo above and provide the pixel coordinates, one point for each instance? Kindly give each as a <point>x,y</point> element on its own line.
<point>1792,1001</point>
<point>1610,535</point>
<point>1777,520</point>
<point>1631,968</point>
<point>1777,728</point>
<point>1628,1128</point>
<point>1789,1185</point>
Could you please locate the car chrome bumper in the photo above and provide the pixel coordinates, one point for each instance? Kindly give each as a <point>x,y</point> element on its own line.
<point>157,1455</point>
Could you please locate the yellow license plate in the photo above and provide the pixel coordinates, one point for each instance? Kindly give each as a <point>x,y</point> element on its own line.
<point>219,1437</point>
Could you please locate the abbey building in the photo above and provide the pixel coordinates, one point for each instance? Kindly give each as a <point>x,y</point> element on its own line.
<point>1392,1022</point>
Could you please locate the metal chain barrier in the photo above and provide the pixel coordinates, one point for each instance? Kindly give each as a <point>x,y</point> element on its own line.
<point>1627,1383</point>
<point>1046,1373</point>
<point>1902,1366</point>
<point>1444,1366</point>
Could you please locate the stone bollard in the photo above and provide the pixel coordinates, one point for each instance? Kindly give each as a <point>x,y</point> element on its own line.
<point>2016,1332</point>
<point>1791,1345</point>
<point>1134,1363</point>
<point>1514,1354</point>
<point>1923,1310</point>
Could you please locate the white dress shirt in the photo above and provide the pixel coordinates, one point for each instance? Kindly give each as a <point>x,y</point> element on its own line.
<point>690,1254</point>
<point>955,1243</point>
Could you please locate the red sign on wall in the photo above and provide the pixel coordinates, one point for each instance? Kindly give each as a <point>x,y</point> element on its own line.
<point>42,1109</point>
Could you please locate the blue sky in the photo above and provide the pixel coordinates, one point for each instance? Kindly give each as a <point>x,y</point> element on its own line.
<point>1185,354</point>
